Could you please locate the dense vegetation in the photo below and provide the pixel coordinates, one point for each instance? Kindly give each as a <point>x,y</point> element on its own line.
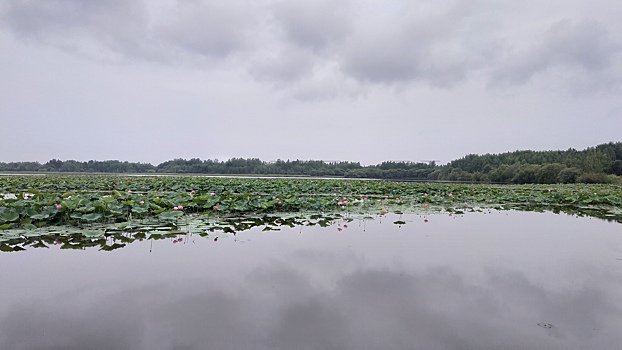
<point>600,164</point>
<point>99,210</point>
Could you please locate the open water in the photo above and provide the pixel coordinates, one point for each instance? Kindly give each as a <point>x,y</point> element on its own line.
<point>498,280</point>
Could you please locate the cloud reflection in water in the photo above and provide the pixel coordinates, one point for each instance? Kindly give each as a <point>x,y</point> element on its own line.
<point>312,298</point>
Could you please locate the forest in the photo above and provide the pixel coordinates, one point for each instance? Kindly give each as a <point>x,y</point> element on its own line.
<point>599,164</point>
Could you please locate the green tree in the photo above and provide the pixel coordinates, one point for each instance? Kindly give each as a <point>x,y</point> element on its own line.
<point>526,174</point>
<point>569,175</point>
<point>548,173</point>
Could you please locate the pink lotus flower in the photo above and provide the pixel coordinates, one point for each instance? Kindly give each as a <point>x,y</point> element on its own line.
<point>192,192</point>
<point>450,194</point>
<point>426,221</point>
<point>175,208</point>
<point>339,203</point>
<point>181,207</point>
<point>345,226</point>
<point>425,194</point>
<point>212,194</point>
<point>215,207</point>
<point>426,205</point>
<point>345,202</point>
<point>129,192</point>
<point>339,229</point>
<point>58,206</point>
<point>141,202</point>
<point>280,203</point>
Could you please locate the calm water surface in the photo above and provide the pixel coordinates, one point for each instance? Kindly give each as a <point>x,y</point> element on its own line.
<point>508,280</point>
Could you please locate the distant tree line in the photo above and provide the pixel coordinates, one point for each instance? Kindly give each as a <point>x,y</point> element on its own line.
<point>600,164</point>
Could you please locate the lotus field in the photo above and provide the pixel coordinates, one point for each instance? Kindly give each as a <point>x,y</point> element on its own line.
<point>109,212</point>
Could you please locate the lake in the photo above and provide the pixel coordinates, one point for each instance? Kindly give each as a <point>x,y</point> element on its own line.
<point>492,280</point>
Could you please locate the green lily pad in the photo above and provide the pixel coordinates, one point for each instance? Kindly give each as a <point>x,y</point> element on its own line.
<point>170,215</point>
<point>9,216</point>
<point>94,233</point>
<point>39,216</point>
<point>92,216</point>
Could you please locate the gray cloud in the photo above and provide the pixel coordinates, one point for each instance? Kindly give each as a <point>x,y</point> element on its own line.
<point>209,28</point>
<point>58,17</point>
<point>130,29</point>
<point>441,49</point>
<point>314,24</point>
<point>290,45</point>
<point>285,66</point>
<point>404,76</point>
<point>82,26</point>
<point>585,45</point>
<point>301,56</point>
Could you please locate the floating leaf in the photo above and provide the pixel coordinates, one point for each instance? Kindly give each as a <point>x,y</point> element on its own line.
<point>29,226</point>
<point>6,226</point>
<point>40,216</point>
<point>92,216</point>
<point>170,215</point>
<point>9,216</point>
<point>94,233</point>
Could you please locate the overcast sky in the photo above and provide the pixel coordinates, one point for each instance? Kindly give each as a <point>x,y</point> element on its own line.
<point>356,80</point>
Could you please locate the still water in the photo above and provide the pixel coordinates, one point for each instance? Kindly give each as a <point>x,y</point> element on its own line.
<point>500,280</point>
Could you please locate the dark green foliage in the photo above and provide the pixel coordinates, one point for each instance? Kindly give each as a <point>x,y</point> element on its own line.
<point>548,173</point>
<point>112,211</point>
<point>568,175</point>
<point>592,178</point>
<point>519,167</point>
<point>527,174</point>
